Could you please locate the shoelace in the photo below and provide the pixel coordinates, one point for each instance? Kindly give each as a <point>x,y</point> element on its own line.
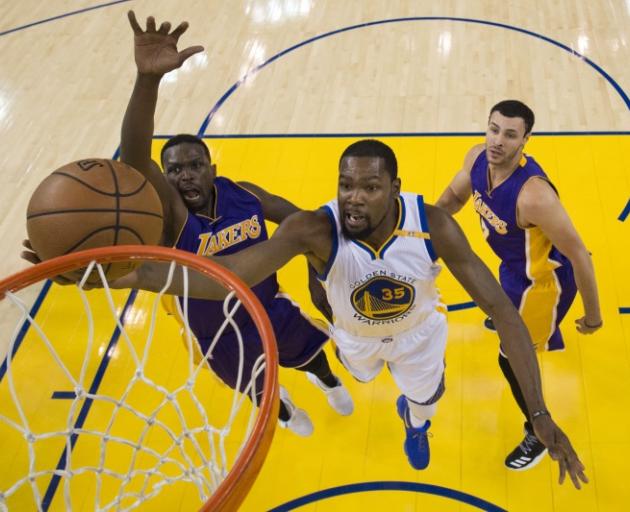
<point>408,424</point>
<point>423,435</point>
<point>528,443</point>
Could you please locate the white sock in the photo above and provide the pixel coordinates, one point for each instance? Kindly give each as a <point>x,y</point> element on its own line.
<point>420,414</point>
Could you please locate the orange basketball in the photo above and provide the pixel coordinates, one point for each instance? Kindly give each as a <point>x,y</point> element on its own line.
<point>93,203</point>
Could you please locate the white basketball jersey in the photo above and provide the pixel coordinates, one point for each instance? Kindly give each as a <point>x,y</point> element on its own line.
<point>386,292</point>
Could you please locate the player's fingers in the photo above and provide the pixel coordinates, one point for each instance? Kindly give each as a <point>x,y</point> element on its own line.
<point>563,471</point>
<point>555,453</point>
<point>575,468</point>
<point>27,243</point>
<point>570,463</point>
<point>31,257</point>
<point>581,328</point>
<point>150,24</point>
<point>164,28</point>
<point>583,477</point>
<point>134,23</point>
<point>575,479</point>
<point>189,52</point>
<point>179,30</point>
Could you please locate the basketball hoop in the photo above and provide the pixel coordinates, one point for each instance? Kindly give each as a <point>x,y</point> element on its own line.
<point>162,428</point>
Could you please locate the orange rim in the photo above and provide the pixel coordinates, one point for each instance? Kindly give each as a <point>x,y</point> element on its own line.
<point>232,491</point>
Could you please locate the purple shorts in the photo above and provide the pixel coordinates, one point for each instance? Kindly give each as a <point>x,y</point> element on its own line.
<point>298,339</point>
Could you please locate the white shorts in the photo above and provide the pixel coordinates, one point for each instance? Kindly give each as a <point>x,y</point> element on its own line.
<point>415,358</point>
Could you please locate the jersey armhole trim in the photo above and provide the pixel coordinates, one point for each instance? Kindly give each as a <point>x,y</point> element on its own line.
<point>425,227</point>
<point>335,243</point>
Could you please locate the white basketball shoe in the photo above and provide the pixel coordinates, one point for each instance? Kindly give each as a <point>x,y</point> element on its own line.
<point>338,397</point>
<point>299,423</point>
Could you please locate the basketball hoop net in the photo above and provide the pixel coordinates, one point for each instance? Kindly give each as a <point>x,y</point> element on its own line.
<point>133,420</point>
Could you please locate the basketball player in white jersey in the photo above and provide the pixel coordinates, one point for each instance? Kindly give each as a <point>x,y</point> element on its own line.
<point>375,250</point>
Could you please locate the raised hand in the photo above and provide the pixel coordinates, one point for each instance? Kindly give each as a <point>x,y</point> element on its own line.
<point>156,49</point>
<point>560,449</point>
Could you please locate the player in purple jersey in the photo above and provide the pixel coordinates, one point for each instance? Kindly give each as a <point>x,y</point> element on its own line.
<point>543,260</point>
<point>207,215</point>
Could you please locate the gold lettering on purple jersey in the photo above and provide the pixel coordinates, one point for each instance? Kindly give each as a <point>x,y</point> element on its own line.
<point>223,238</point>
<point>235,233</point>
<point>254,229</point>
<point>213,247</point>
<point>203,243</point>
<point>227,237</point>
<point>482,209</point>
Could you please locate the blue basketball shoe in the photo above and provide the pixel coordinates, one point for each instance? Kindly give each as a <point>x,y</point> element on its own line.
<point>417,441</point>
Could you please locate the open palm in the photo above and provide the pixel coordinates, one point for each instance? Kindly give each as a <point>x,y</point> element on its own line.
<point>156,49</point>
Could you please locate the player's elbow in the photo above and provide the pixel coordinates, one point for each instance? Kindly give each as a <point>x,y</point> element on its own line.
<point>449,202</point>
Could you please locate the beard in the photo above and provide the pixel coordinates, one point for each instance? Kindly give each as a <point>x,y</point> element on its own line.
<point>368,229</point>
<point>357,234</point>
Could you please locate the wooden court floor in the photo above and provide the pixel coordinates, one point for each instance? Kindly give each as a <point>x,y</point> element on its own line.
<point>423,84</point>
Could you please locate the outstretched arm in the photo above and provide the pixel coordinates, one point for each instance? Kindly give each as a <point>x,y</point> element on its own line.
<point>305,232</point>
<point>276,209</point>
<point>156,54</point>
<point>451,245</point>
<point>459,190</point>
<point>539,205</point>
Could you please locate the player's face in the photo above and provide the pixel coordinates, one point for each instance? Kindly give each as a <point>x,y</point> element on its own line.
<point>188,169</point>
<point>366,195</point>
<point>505,139</point>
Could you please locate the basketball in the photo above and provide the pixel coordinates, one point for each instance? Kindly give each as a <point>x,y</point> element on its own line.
<point>93,203</point>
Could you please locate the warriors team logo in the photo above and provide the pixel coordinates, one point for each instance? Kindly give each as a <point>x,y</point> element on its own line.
<point>382,298</point>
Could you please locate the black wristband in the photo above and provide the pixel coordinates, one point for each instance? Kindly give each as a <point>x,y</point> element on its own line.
<point>593,326</point>
<point>540,412</point>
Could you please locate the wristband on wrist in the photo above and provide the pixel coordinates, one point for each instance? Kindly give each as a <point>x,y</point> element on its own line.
<point>593,326</point>
<point>540,412</point>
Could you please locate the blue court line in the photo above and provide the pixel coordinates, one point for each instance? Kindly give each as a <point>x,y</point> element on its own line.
<point>256,69</point>
<point>381,134</point>
<point>25,326</point>
<point>63,395</point>
<point>435,490</point>
<point>624,311</point>
<point>60,16</point>
<point>87,404</point>
<point>625,212</point>
<point>461,306</point>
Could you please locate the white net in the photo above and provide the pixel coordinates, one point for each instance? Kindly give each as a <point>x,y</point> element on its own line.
<point>102,408</point>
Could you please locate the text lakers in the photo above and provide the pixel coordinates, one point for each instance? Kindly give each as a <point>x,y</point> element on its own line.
<point>211,243</point>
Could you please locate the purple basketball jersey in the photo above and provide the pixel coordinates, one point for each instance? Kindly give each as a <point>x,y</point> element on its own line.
<point>537,278</point>
<point>237,223</point>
